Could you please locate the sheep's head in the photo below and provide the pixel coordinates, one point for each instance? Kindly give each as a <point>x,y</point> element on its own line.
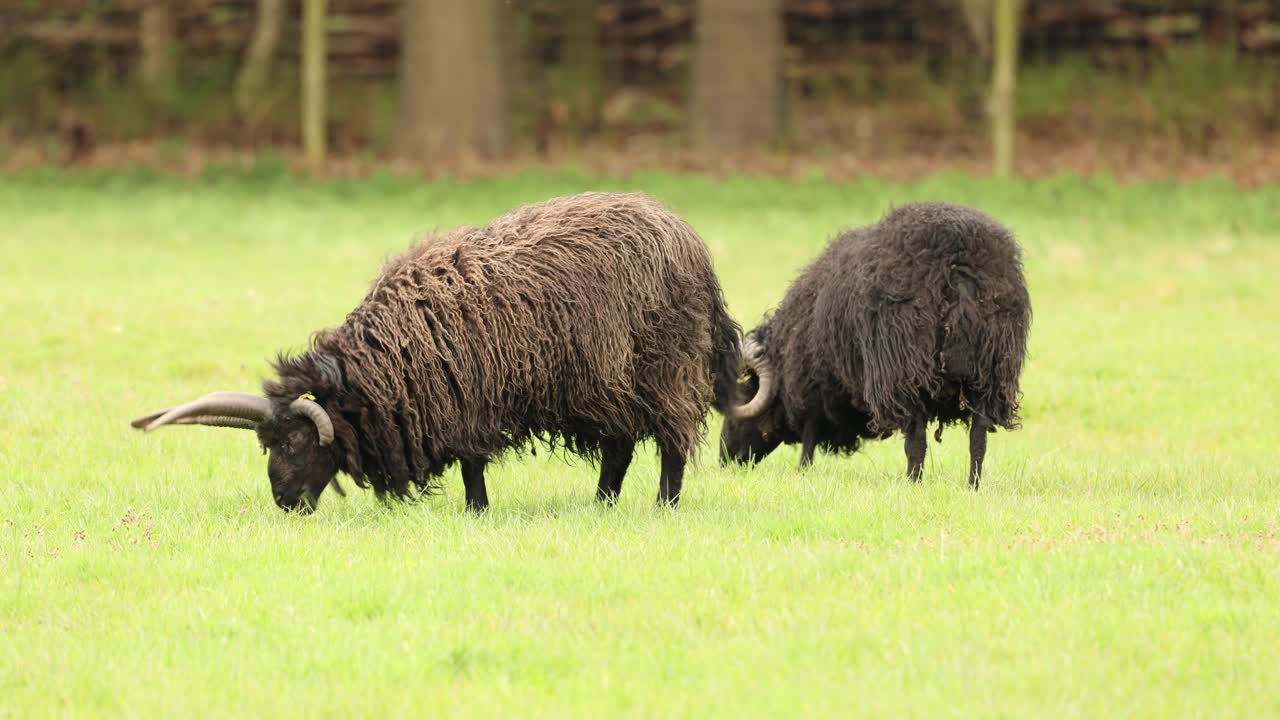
<point>296,436</point>
<point>750,430</point>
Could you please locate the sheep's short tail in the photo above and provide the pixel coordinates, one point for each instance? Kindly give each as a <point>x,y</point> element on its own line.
<point>725,355</point>
<point>961,325</point>
<point>982,347</point>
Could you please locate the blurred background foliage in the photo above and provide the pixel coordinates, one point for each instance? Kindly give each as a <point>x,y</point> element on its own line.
<point>440,84</point>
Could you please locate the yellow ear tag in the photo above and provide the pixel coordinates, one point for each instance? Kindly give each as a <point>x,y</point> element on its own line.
<point>307,396</point>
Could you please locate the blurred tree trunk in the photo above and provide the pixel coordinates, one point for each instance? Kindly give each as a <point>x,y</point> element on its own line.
<point>525,88</point>
<point>737,73</point>
<point>256,70</point>
<point>452,95</point>
<point>158,38</point>
<point>314,56</point>
<point>581,72</point>
<point>1004,79</point>
<point>977,22</point>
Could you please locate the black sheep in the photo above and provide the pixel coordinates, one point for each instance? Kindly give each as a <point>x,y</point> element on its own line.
<point>922,317</point>
<point>594,321</point>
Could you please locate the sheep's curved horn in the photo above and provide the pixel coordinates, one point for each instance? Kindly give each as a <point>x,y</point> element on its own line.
<point>753,358</point>
<point>211,420</point>
<point>220,409</point>
<point>316,414</point>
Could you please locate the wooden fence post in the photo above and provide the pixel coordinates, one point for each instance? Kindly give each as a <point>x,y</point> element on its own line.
<point>314,72</point>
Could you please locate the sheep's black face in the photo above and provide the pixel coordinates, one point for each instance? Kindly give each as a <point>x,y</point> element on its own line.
<point>298,466</point>
<point>748,440</point>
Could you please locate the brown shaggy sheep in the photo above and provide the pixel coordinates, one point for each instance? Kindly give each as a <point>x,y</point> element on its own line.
<point>591,321</point>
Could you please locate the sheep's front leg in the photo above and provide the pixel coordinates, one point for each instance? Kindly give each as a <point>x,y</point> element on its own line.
<point>979,426</point>
<point>808,441</point>
<point>615,458</point>
<point>473,483</point>
<point>915,432</point>
<point>672,479</point>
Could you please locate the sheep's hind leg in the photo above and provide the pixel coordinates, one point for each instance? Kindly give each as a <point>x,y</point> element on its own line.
<point>615,458</point>
<point>916,433</point>
<point>979,426</point>
<point>672,476</point>
<point>473,482</point>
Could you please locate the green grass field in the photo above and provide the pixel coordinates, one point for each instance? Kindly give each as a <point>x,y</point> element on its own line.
<point>1122,558</point>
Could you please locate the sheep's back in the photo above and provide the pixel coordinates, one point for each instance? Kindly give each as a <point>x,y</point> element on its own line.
<point>581,311</point>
